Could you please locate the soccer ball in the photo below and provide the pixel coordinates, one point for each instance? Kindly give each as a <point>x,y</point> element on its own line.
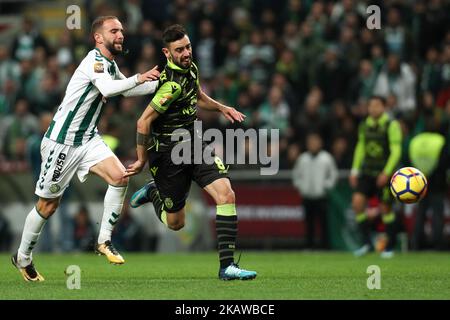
<point>408,185</point>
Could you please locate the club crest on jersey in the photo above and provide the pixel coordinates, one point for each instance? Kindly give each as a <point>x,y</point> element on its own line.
<point>168,203</point>
<point>98,67</point>
<point>54,188</point>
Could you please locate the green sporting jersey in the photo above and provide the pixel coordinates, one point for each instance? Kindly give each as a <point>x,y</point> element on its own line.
<point>379,146</point>
<point>176,103</point>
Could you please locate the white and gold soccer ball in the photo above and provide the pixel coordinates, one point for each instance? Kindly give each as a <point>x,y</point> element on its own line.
<point>408,185</point>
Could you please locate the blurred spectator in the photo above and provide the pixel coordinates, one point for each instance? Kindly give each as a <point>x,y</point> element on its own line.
<point>134,15</point>
<point>231,63</point>
<point>295,11</point>
<point>310,118</point>
<point>257,57</point>
<point>332,75</point>
<point>8,95</point>
<point>9,68</point>
<point>431,72</point>
<point>29,79</point>
<point>377,58</point>
<point>314,174</point>
<point>291,97</point>
<point>349,48</point>
<point>342,9</point>
<point>27,40</point>
<point>429,112</point>
<point>206,50</point>
<point>287,65</point>
<point>429,152</point>
<point>339,122</point>
<point>342,153</point>
<point>398,79</point>
<point>274,112</point>
<point>444,93</point>
<point>397,38</point>
<point>308,50</point>
<point>48,96</point>
<point>226,88</point>
<point>362,86</point>
<point>83,233</point>
<point>318,19</point>
<point>15,129</point>
<point>65,52</point>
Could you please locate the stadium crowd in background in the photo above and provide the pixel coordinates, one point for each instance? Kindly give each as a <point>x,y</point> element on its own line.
<point>297,65</point>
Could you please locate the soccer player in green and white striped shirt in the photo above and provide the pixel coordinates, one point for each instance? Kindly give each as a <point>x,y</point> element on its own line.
<point>72,143</point>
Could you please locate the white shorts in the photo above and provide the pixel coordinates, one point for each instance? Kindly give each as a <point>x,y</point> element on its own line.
<point>60,162</point>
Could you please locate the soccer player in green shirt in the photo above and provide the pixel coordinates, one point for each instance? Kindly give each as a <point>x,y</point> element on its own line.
<point>376,155</point>
<point>173,107</point>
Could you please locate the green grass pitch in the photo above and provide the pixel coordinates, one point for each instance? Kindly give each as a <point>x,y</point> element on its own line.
<point>281,276</point>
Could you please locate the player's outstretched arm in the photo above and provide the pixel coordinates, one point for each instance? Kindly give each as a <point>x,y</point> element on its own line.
<point>142,140</point>
<point>109,87</point>
<point>206,102</point>
<point>147,87</point>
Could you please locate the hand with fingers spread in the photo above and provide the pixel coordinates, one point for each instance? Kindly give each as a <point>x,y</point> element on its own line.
<point>150,75</point>
<point>232,114</point>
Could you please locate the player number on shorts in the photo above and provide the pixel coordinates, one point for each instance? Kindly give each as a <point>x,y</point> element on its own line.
<point>219,163</point>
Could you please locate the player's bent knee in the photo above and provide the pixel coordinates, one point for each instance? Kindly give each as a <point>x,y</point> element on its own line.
<point>119,181</point>
<point>226,197</point>
<point>47,207</point>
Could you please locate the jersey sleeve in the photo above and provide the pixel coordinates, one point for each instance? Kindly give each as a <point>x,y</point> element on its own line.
<point>165,96</point>
<point>96,69</point>
<point>395,147</point>
<point>358,155</point>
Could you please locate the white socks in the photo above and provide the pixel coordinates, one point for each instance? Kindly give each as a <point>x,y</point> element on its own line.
<point>113,204</point>
<point>34,224</point>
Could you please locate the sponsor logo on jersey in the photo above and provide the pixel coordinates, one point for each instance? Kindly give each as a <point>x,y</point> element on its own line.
<point>98,67</point>
<point>164,99</point>
<point>58,166</point>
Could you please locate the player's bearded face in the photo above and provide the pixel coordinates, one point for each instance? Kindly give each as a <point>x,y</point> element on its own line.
<point>112,33</point>
<point>180,52</point>
<point>183,61</point>
<point>115,46</point>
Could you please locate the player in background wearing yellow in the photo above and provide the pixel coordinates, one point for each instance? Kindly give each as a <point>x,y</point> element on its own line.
<point>72,144</point>
<point>376,156</point>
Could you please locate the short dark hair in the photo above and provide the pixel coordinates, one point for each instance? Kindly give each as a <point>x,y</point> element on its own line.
<point>98,22</point>
<point>173,33</point>
<point>380,98</point>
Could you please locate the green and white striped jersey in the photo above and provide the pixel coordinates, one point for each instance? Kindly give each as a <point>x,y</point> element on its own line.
<point>76,119</point>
